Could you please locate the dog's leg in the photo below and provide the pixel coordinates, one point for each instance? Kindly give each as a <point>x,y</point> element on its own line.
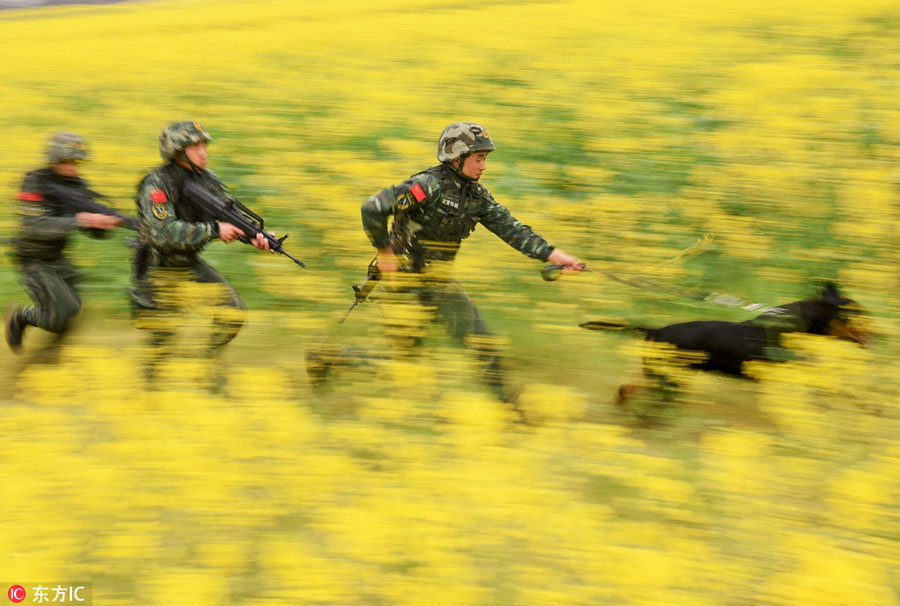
<point>626,390</point>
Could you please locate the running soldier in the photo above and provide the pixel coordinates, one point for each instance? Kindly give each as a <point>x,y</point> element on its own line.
<point>433,211</point>
<point>174,231</point>
<point>49,202</point>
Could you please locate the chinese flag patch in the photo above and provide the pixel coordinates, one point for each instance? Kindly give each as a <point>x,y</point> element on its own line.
<point>158,196</point>
<point>30,196</point>
<point>418,192</point>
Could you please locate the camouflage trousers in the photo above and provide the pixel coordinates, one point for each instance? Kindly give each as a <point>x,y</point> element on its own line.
<point>409,310</point>
<point>452,307</point>
<point>51,286</point>
<point>173,300</point>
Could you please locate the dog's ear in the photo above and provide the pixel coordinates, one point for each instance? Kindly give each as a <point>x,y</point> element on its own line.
<point>832,303</point>
<point>830,294</point>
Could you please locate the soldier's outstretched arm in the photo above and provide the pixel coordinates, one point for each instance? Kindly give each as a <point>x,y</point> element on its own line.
<point>498,220</point>
<point>165,231</point>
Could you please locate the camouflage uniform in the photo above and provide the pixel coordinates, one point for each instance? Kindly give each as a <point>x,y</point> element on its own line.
<point>173,232</point>
<point>48,276</point>
<point>434,210</point>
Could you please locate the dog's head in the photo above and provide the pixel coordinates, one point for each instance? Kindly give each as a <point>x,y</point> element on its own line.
<point>831,313</point>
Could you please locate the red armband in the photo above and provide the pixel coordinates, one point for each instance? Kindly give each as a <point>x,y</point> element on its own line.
<point>30,196</point>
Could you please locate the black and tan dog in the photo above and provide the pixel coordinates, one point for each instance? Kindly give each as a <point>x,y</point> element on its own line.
<point>726,346</point>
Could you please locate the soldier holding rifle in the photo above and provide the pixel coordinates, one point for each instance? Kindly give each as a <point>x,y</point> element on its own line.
<point>174,230</point>
<point>54,202</point>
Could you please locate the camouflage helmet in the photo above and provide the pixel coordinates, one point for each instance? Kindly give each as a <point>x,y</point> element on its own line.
<point>178,135</point>
<point>462,139</point>
<point>66,147</point>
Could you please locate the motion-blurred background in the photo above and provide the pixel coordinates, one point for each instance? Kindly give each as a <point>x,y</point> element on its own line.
<point>747,148</point>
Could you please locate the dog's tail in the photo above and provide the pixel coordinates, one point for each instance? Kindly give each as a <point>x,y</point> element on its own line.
<point>614,325</point>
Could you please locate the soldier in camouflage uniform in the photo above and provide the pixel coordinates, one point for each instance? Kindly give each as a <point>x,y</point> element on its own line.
<point>47,220</point>
<point>433,211</point>
<point>173,232</point>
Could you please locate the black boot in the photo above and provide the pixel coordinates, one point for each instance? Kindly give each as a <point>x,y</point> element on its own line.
<point>319,362</point>
<point>324,360</point>
<point>510,396</point>
<point>15,326</point>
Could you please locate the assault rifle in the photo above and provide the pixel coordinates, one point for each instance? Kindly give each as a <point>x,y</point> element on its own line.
<point>86,202</point>
<point>231,211</point>
<point>362,291</point>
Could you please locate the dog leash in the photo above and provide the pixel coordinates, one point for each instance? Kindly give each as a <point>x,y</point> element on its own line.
<point>551,273</point>
<point>704,296</point>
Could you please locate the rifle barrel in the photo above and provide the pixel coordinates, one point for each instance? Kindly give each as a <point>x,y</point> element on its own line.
<point>347,313</point>
<point>292,258</point>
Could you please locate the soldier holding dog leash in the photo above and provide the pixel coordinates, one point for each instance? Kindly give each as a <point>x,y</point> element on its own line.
<point>433,211</point>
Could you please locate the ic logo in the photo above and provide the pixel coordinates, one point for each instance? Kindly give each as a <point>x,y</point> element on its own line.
<point>16,593</point>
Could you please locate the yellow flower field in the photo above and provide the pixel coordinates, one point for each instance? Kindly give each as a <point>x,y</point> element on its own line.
<point>625,133</point>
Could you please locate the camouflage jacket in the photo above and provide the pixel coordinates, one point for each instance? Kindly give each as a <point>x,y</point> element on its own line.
<point>175,229</point>
<point>47,218</point>
<point>436,209</point>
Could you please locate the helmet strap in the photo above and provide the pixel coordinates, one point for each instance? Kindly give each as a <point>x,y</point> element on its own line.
<point>458,169</point>
<point>193,167</point>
